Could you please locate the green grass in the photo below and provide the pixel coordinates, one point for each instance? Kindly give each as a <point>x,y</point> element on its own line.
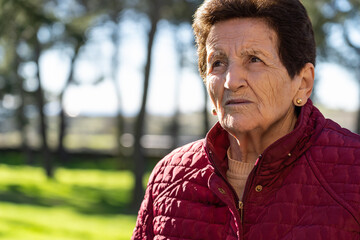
<point>77,204</point>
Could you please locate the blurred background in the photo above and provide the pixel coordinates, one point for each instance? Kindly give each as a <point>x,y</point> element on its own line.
<point>93,93</point>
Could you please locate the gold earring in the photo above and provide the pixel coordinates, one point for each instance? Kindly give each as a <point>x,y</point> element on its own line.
<point>214,111</point>
<point>299,101</point>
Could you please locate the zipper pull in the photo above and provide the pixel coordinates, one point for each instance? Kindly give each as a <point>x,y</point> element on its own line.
<point>241,208</point>
<point>258,159</point>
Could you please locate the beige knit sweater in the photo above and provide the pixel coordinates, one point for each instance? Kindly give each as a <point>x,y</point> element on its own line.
<point>237,174</point>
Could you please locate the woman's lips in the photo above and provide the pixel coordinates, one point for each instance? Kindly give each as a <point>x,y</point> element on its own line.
<point>237,102</point>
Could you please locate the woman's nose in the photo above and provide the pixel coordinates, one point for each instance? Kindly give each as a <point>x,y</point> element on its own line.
<point>235,77</point>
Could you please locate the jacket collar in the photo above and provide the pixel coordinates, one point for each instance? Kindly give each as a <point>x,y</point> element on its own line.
<point>278,155</point>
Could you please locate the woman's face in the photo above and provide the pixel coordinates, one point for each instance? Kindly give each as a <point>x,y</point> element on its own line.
<point>247,83</point>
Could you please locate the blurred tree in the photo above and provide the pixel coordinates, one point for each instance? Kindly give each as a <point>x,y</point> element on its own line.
<point>115,17</point>
<point>345,24</point>
<point>76,23</point>
<point>180,50</point>
<point>114,10</point>
<point>61,151</point>
<point>26,20</point>
<point>77,19</point>
<point>180,12</point>
<point>110,12</point>
<point>338,36</point>
<point>12,82</point>
<point>174,11</point>
<point>154,14</point>
<point>35,18</point>
<point>39,94</point>
<point>45,24</point>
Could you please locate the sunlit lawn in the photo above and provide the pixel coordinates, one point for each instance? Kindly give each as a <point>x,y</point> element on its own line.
<point>78,204</point>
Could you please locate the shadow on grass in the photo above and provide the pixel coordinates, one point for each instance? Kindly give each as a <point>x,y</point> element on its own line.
<point>79,160</point>
<point>86,200</point>
<point>21,198</point>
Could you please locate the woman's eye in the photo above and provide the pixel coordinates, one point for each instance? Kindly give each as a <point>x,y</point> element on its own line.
<point>217,63</point>
<point>254,59</point>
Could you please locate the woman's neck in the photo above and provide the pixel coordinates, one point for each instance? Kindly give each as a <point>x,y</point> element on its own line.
<point>242,151</point>
<point>247,147</point>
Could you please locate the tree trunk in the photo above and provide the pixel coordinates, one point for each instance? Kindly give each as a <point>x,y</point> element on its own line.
<point>21,118</point>
<point>175,126</point>
<point>61,151</point>
<point>138,154</point>
<point>47,161</point>
<point>115,64</point>
<point>205,113</point>
<point>29,158</point>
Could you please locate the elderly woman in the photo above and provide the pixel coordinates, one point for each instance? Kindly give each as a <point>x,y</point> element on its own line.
<point>272,167</point>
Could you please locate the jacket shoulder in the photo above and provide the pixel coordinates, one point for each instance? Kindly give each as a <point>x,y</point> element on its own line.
<point>336,157</point>
<point>179,161</point>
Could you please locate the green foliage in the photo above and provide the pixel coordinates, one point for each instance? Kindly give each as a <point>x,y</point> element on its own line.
<point>77,204</point>
<point>340,17</point>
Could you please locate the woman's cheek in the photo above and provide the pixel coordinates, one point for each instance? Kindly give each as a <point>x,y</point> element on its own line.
<point>212,88</point>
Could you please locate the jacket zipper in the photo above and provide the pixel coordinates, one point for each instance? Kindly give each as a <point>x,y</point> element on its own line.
<point>247,187</point>
<point>241,209</point>
<point>209,153</point>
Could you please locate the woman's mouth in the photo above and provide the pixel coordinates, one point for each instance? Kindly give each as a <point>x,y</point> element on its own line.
<point>237,101</point>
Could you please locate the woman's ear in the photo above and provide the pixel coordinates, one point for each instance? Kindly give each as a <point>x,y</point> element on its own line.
<point>306,78</point>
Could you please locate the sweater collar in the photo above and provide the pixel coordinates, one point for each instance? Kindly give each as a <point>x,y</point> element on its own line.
<point>279,154</point>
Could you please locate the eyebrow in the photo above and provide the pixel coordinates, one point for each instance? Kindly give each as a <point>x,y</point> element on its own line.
<point>252,51</point>
<point>245,52</point>
<point>215,54</point>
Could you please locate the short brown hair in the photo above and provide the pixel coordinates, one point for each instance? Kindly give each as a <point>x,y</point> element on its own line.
<point>288,18</point>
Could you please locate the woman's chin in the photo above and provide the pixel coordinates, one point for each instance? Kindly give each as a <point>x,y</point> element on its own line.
<point>237,124</point>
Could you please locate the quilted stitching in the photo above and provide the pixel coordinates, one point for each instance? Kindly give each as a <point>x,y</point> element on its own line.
<point>313,193</point>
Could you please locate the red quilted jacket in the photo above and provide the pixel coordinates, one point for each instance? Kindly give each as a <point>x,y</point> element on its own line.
<point>306,185</point>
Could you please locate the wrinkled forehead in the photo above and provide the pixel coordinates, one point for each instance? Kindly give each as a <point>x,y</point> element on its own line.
<point>245,25</point>
<point>242,34</point>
